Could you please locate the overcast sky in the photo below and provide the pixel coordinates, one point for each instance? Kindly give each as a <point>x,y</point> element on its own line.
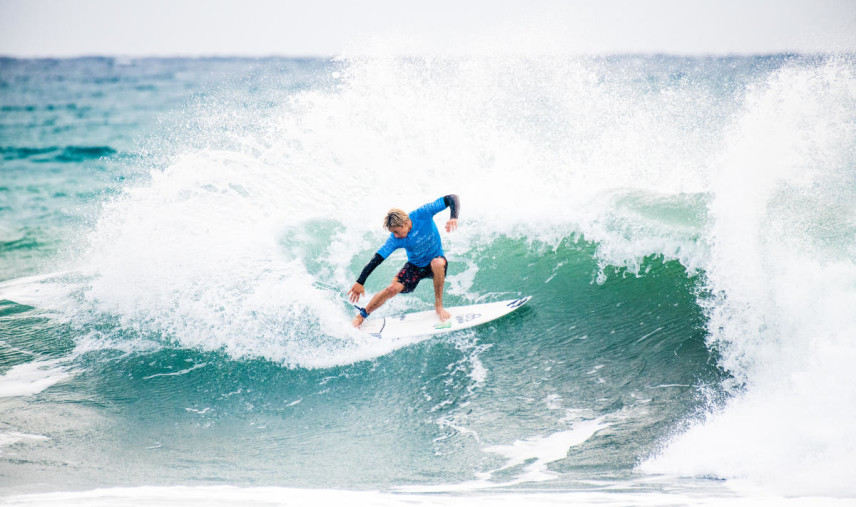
<point>330,28</point>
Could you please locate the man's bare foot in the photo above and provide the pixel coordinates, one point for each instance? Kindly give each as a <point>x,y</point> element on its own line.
<point>358,321</point>
<point>443,314</point>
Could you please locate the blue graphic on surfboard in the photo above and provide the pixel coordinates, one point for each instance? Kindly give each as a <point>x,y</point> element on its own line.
<point>427,323</point>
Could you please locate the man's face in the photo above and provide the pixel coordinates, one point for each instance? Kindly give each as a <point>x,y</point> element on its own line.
<point>401,232</point>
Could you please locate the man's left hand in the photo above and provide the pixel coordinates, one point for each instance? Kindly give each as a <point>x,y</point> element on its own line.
<point>356,291</point>
<point>451,225</point>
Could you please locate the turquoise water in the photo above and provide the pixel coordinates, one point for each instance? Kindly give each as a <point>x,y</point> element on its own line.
<point>684,225</point>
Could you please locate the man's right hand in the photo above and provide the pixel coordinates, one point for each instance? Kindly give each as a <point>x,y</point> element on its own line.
<point>356,291</point>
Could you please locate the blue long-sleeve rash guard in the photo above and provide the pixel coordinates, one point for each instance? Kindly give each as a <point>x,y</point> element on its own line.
<point>422,243</point>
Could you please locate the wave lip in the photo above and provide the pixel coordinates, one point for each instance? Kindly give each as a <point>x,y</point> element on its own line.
<point>782,291</point>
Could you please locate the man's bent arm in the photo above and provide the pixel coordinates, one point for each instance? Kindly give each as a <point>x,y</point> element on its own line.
<point>452,202</point>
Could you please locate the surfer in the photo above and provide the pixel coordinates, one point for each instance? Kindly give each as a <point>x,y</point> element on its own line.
<point>417,233</point>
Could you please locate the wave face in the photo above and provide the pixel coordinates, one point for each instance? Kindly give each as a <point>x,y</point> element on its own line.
<point>685,226</point>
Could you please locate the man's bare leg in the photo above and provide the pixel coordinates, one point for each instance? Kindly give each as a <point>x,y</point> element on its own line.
<point>379,299</point>
<point>438,269</point>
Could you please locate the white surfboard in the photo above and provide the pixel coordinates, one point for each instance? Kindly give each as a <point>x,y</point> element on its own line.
<point>428,323</point>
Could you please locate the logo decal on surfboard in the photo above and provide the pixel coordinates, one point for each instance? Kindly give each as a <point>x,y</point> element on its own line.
<point>443,325</point>
<point>467,318</point>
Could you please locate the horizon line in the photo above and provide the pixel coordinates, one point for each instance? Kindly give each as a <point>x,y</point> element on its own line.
<point>319,56</point>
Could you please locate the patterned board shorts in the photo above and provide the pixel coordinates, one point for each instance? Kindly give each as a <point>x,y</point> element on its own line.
<point>411,274</point>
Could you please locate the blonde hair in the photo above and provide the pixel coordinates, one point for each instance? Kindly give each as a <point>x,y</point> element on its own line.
<point>395,218</point>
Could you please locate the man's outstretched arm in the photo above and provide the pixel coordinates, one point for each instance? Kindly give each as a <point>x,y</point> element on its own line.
<point>358,289</point>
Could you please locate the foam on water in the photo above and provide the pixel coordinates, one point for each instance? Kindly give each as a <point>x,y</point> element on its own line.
<point>32,378</point>
<point>537,452</point>
<point>230,495</point>
<point>14,437</point>
<point>528,459</point>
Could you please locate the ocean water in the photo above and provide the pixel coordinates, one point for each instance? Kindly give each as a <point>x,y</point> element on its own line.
<point>686,227</point>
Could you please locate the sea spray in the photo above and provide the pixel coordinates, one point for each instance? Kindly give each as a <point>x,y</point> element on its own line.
<point>216,241</point>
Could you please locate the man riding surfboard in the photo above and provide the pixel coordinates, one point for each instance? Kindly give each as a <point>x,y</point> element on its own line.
<point>417,233</point>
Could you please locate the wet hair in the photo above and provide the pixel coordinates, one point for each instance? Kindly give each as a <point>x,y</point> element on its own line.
<point>395,218</point>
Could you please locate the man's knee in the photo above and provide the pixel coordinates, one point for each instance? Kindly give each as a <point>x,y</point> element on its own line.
<point>394,288</point>
<point>438,263</point>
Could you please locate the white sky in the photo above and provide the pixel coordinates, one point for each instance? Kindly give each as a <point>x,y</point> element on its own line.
<point>329,27</point>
